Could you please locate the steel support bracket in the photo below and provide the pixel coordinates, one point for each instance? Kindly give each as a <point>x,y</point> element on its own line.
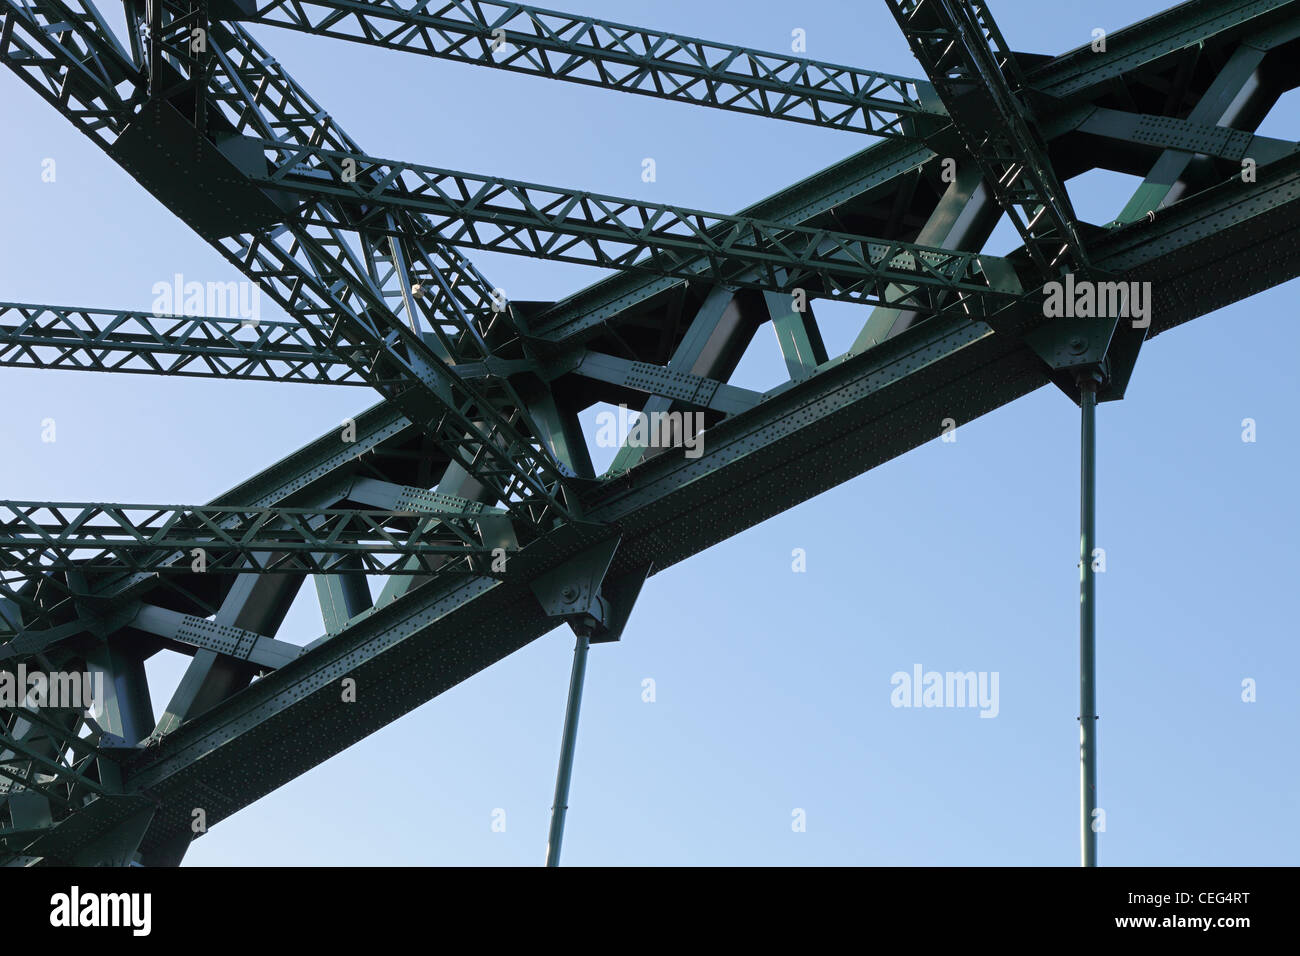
<point>1067,342</point>
<point>578,592</point>
<point>207,186</point>
<point>1082,339</point>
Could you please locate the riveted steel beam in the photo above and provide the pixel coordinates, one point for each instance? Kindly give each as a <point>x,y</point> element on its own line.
<point>101,340</point>
<point>580,49</point>
<point>36,537</point>
<point>502,215</point>
<point>972,69</point>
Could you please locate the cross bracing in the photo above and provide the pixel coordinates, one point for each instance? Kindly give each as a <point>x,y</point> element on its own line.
<point>480,394</point>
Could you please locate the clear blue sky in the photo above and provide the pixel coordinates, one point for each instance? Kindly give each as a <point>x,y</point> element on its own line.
<point>773,688</point>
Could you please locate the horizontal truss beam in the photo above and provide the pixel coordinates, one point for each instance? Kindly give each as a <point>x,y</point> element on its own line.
<point>37,537</point>
<point>100,340</point>
<point>503,215</point>
<point>1077,77</point>
<point>579,49</point>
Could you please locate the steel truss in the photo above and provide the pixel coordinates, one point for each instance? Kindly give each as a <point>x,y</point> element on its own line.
<point>469,486</point>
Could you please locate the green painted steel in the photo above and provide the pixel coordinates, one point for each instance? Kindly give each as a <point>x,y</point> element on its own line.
<point>1189,31</point>
<point>100,340</point>
<point>1090,816</point>
<point>568,745</point>
<point>502,215</point>
<point>580,49</point>
<point>980,82</point>
<point>307,269</point>
<point>480,395</point>
<point>866,414</point>
<point>39,537</point>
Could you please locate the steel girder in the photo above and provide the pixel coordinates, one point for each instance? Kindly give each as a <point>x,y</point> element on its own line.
<point>95,340</point>
<point>1155,65</point>
<point>579,49</point>
<point>768,451</point>
<point>857,414</point>
<point>350,300</point>
<point>979,80</point>
<point>501,215</point>
<point>36,537</point>
<point>351,287</point>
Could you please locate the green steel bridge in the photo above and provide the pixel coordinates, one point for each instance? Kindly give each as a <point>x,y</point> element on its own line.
<point>469,485</point>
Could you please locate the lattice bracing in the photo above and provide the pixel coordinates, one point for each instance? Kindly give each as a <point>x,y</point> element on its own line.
<point>461,517</point>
